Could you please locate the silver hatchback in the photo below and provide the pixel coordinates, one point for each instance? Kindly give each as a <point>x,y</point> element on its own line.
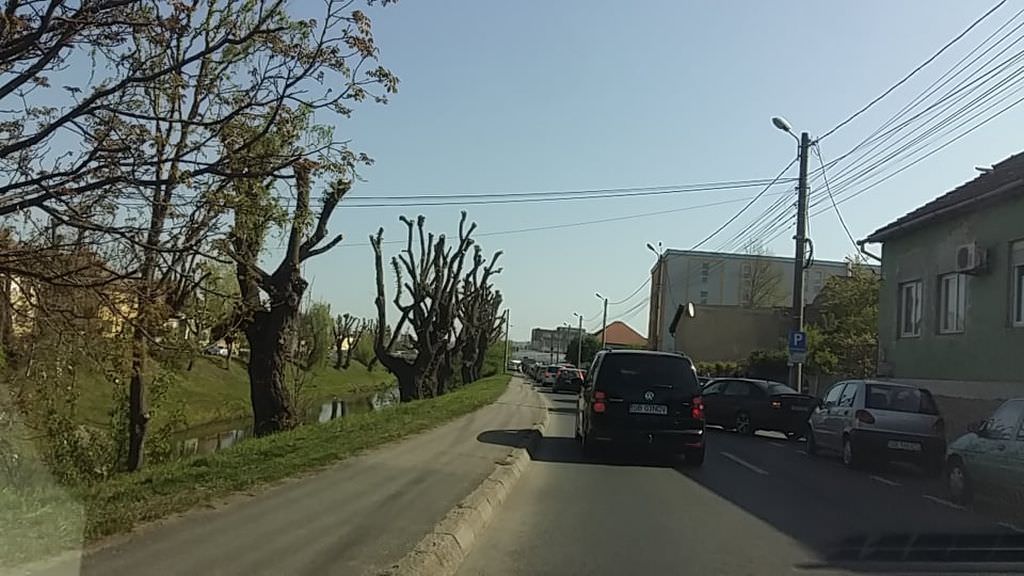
<point>868,420</point>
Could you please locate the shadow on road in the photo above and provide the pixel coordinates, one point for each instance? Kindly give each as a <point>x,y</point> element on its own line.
<point>564,400</point>
<point>567,450</point>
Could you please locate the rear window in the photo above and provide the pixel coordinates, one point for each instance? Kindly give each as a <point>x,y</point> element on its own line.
<point>900,399</point>
<point>551,369</point>
<point>624,371</point>
<point>776,388</point>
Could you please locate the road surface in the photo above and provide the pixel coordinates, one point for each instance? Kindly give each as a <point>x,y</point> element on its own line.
<point>759,505</point>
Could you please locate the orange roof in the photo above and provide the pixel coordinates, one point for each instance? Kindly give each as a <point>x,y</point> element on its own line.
<point>620,334</point>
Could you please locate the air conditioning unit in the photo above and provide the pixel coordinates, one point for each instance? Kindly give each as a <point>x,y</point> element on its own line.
<point>970,259</point>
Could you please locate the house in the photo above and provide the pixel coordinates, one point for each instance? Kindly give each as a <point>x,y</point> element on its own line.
<point>620,335</point>
<point>722,279</point>
<point>951,308</point>
<point>548,340</point>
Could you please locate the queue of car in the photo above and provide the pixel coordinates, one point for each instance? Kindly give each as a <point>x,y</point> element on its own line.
<point>656,399</point>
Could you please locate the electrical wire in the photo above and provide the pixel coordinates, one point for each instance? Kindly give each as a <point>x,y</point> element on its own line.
<point>745,207</point>
<point>920,67</point>
<point>839,214</point>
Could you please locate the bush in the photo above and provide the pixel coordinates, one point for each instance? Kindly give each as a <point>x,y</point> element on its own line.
<point>720,369</point>
<point>768,365</point>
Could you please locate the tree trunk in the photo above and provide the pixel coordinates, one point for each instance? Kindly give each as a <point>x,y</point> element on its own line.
<point>267,334</point>
<point>138,418</point>
<point>339,353</point>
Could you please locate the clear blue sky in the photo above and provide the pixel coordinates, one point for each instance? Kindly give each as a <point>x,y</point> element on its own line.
<point>582,94</point>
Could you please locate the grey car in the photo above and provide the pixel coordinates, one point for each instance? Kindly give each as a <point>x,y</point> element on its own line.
<point>989,461</point>
<point>869,420</point>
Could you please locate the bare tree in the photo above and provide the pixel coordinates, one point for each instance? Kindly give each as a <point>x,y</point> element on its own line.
<point>342,328</point>
<point>477,314</point>
<point>762,281</point>
<point>427,277</point>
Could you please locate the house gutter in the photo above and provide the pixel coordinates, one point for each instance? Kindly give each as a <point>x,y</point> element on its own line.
<point>933,215</point>
<point>864,251</point>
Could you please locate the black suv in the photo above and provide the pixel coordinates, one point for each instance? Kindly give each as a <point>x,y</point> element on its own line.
<point>642,398</point>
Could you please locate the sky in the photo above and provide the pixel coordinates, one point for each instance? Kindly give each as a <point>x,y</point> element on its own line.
<point>529,96</point>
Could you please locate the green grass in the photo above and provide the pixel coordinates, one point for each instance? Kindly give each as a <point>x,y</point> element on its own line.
<point>43,520</point>
<point>210,392</point>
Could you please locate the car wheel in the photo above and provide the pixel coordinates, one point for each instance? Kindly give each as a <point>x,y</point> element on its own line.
<point>694,457</point>
<point>743,425</point>
<point>958,482</point>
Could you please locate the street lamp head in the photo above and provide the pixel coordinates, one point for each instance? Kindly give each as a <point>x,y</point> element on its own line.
<point>598,294</point>
<point>781,124</point>
<point>578,315</point>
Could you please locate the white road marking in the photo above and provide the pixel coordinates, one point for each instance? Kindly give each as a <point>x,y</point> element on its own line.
<point>744,463</point>
<point>885,481</point>
<point>943,502</point>
<point>1009,526</point>
<point>804,452</point>
<point>777,445</point>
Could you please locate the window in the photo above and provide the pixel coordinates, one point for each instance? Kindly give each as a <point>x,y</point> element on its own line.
<point>1003,424</point>
<point>714,387</point>
<point>738,388</point>
<point>910,309</point>
<point>900,399</point>
<point>833,394</point>
<point>703,296</point>
<point>952,303</point>
<point>621,372</point>
<point>1017,277</point>
<point>704,276</point>
<point>776,388</point>
<point>849,394</point>
<point>746,270</point>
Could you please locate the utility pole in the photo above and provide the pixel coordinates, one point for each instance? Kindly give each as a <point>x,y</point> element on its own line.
<point>604,319</point>
<point>506,340</point>
<point>579,341</point>
<point>796,369</point>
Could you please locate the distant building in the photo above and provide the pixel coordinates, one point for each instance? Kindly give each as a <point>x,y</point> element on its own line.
<point>547,340</point>
<point>723,279</point>
<point>620,335</point>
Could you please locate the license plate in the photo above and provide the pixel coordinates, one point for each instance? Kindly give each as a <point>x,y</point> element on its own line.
<point>900,445</point>
<point>800,408</point>
<point>659,409</point>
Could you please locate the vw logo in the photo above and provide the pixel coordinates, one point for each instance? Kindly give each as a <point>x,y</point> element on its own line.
<point>648,395</point>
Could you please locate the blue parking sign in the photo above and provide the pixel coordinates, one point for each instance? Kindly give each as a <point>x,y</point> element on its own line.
<point>798,342</point>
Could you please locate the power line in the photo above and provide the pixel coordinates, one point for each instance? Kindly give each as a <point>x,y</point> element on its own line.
<point>634,293</point>
<point>744,209</point>
<point>920,67</point>
<point>817,151</point>
<point>581,223</point>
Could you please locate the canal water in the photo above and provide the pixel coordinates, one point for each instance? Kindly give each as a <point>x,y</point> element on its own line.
<point>215,436</point>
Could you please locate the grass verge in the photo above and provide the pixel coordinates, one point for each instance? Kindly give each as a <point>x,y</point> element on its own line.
<point>44,520</point>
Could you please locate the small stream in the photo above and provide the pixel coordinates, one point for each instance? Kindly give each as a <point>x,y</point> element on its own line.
<point>215,436</point>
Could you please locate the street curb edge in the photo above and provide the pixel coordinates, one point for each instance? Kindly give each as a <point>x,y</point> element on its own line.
<point>442,550</point>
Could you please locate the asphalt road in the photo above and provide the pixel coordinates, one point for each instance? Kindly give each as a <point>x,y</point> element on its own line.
<point>759,505</point>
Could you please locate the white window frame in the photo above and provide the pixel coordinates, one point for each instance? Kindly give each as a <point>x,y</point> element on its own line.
<point>914,330</point>
<point>1017,284</point>
<point>952,303</point>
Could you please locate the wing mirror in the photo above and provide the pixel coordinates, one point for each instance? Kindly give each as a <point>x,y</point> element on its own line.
<point>977,427</point>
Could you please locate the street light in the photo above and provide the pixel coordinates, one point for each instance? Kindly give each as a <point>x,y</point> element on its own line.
<point>579,340</point>
<point>604,318</point>
<point>657,304</point>
<point>803,148</point>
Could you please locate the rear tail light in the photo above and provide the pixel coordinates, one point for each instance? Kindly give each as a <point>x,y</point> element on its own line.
<point>776,404</point>
<point>864,416</point>
<point>939,427</point>
<point>599,405</point>
<point>697,408</point>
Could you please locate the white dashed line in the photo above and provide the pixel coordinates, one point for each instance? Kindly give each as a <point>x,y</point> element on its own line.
<point>885,481</point>
<point>1009,526</point>
<point>943,502</point>
<point>745,464</point>
<point>804,452</point>
<point>777,445</point>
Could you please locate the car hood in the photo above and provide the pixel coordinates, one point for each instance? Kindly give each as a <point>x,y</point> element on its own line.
<point>962,442</point>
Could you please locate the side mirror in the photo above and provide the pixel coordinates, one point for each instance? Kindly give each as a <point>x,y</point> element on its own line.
<point>977,427</point>
<point>827,404</point>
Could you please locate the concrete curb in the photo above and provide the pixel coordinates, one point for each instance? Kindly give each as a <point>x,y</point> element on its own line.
<point>441,552</point>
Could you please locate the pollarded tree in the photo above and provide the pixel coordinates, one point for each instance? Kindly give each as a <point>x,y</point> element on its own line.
<point>478,307</point>
<point>427,276</point>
